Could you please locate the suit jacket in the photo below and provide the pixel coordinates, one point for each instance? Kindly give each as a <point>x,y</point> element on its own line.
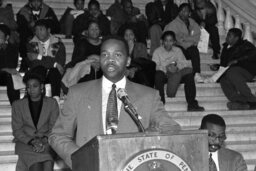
<point>81,116</point>
<point>230,160</point>
<point>22,124</point>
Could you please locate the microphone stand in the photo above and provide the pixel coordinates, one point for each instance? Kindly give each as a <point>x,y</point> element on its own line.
<point>135,118</point>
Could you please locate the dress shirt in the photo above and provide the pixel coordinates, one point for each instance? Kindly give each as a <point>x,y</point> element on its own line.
<point>215,158</point>
<point>46,45</point>
<point>106,88</point>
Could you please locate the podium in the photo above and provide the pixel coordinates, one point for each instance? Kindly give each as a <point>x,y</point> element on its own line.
<point>182,151</point>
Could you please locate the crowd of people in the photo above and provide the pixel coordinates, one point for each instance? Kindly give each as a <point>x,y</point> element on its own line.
<point>111,49</point>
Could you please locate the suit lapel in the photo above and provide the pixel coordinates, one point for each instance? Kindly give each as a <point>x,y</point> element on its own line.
<point>42,114</point>
<point>223,164</point>
<point>95,104</point>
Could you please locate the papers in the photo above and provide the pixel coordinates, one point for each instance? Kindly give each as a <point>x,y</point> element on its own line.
<point>219,73</point>
<point>18,81</point>
<point>204,41</point>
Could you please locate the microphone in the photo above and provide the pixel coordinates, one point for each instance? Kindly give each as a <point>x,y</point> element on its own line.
<point>129,108</point>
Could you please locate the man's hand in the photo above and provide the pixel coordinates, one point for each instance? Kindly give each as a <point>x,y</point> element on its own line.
<point>96,65</point>
<point>60,68</point>
<point>172,68</point>
<point>131,72</point>
<point>32,56</point>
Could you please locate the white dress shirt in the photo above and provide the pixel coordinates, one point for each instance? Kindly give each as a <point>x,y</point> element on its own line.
<point>215,158</point>
<point>106,88</point>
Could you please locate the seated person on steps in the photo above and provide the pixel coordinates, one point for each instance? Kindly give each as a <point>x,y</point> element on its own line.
<point>8,63</point>
<point>48,51</point>
<point>187,33</point>
<point>173,68</point>
<point>220,158</point>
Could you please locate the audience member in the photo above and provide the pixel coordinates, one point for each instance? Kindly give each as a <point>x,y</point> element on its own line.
<point>240,55</point>
<point>173,68</point>
<point>7,18</point>
<point>86,111</point>
<point>205,15</point>
<point>26,19</point>
<point>88,48</point>
<point>48,51</point>
<point>187,32</point>
<point>8,63</point>
<point>32,120</point>
<point>80,24</point>
<point>220,158</point>
<point>116,15</point>
<point>141,69</point>
<point>159,13</point>
<point>70,14</point>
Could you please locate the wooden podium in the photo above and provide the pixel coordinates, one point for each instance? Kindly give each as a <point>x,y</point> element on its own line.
<point>183,151</point>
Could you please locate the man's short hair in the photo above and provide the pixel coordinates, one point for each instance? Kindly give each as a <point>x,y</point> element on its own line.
<point>168,33</point>
<point>236,32</point>
<point>114,37</point>
<point>5,29</point>
<point>184,5</point>
<point>43,23</point>
<point>213,119</point>
<point>94,2</point>
<point>75,1</point>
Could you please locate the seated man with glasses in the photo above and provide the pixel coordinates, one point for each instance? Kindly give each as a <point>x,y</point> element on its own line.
<point>220,158</point>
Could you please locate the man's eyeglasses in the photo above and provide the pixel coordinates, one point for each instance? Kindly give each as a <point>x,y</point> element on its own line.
<point>220,137</point>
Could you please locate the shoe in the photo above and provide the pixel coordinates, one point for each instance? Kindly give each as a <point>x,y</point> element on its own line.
<point>238,106</point>
<point>198,78</point>
<point>215,56</point>
<point>195,108</point>
<point>252,105</point>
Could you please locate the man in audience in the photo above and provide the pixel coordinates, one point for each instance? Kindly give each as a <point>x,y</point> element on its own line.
<point>86,111</point>
<point>173,68</point>
<point>240,55</point>
<point>26,19</point>
<point>187,33</point>
<point>47,50</point>
<point>220,158</point>
<point>8,63</point>
<point>81,22</point>
<point>205,15</point>
<point>159,13</point>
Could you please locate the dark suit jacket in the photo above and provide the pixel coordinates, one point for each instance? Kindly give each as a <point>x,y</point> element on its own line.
<point>22,124</point>
<point>81,116</point>
<point>230,160</point>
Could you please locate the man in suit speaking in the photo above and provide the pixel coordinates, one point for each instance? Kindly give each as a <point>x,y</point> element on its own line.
<point>88,110</point>
<point>220,158</point>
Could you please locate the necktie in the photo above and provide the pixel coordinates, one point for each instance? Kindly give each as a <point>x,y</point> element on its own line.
<point>212,165</point>
<point>44,49</point>
<point>112,113</point>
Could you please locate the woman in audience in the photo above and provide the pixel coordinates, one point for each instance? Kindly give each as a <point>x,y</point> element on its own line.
<point>88,48</point>
<point>141,68</point>
<point>32,120</point>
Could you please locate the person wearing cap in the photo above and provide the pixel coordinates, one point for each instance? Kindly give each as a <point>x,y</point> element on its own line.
<point>48,51</point>
<point>32,120</point>
<point>8,63</point>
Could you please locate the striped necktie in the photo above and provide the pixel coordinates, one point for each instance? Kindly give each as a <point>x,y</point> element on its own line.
<point>212,164</point>
<point>112,113</point>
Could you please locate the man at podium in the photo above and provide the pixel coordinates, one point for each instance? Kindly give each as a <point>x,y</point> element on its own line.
<point>92,108</point>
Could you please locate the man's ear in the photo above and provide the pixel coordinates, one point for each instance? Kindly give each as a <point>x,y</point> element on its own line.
<point>7,38</point>
<point>49,30</point>
<point>128,61</point>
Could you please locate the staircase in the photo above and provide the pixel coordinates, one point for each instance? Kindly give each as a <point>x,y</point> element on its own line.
<point>241,125</point>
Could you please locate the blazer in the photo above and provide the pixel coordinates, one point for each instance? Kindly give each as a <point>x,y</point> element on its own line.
<point>230,160</point>
<point>81,116</point>
<point>22,124</point>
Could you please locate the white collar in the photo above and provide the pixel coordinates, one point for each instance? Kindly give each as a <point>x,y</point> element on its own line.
<point>107,84</point>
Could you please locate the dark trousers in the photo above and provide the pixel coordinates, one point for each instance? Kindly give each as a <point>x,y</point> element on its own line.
<point>192,53</point>
<point>233,84</point>
<point>214,38</point>
<point>173,81</point>
<point>6,79</point>
<point>54,78</point>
